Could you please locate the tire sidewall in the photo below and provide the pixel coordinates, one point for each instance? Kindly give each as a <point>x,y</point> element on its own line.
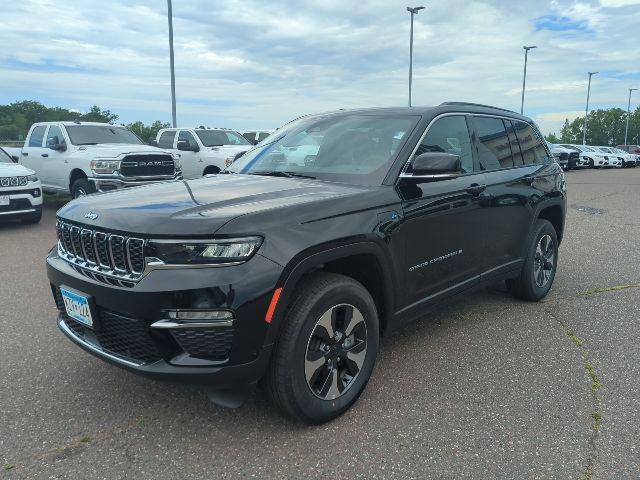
<point>312,407</point>
<point>543,228</point>
<point>81,183</point>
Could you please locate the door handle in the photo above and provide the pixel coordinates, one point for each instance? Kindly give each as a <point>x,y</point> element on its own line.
<point>45,154</point>
<point>476,189</point>
<point>25,154</point>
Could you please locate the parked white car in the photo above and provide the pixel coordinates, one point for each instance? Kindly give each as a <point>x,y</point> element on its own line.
<point>203,151</point>
<point>622,158</point>
<point>256,136</point>
<point>615,159</point>
<point>86,157</point>
<point>20,191</point>
<point>590,156</point>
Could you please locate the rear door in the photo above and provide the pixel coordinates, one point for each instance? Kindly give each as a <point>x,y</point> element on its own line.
<point>509,156</point>
<point>444,234</point>
<point>33,153</point>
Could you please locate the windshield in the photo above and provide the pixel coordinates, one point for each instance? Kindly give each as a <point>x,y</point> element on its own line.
<point>5,157</point>
<point>356,149</point>
<point>217,138</point>
<point>95,134</point>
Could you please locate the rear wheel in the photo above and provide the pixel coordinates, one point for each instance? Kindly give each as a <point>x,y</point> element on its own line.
<point>82,187</point>
<point>326,350</point>
<point>539,269</point>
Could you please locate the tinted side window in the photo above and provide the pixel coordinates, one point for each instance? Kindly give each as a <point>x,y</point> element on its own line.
<point>55,135</point>
<point>36,136</point>
<point>263,135</point>
<point>533,150</point>
<point>184,135</point>
<point>251,136</point>
<point>166,139</point>
<point>450,135</point>
<point>515,147</point>
<point>494,150</point>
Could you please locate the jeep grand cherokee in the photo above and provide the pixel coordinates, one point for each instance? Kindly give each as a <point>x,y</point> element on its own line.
<point>286,270</point>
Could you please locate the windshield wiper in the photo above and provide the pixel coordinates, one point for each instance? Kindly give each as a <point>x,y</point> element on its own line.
<point>281,173</point>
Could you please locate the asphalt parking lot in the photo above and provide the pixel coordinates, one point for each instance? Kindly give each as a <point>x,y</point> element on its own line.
<point>490,387</point>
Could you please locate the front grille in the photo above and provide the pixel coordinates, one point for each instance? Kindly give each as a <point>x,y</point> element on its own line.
<point>213,344</point>
<point>13,181</point>
<point>116,334</point>
<point>101,255</point>
<point>16,205</point>
<point>147,165</point>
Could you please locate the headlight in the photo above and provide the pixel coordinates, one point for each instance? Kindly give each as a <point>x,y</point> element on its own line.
<point>177,163</point>
<point>198,252</point>
<point>105,166</point>
<point>32,178</point>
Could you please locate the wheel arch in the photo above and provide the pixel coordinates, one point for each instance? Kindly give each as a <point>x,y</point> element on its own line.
<point>75,174</point>
<point>554,214</point>
<point>364,261</point>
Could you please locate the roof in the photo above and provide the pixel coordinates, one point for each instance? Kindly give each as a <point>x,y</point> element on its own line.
<point>72,124</point>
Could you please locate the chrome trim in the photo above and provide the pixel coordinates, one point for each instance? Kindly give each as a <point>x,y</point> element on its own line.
<point>113,237</point>
<point>173,324</point>
<point>435,176</point>
<point>15,212</point>
<point>97,349</point>
<point>84,250</point>
<point>208,240</point>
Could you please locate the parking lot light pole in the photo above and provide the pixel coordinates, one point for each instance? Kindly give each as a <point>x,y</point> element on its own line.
<point>171,66</point>
<point>524,77</point>
<point>586,110</point>
<point>626,130</point>
<point>413,11</point>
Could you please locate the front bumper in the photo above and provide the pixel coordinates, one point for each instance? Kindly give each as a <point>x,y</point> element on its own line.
<point>107,183</point>
<point>22,201</point>
<point>122,333</point>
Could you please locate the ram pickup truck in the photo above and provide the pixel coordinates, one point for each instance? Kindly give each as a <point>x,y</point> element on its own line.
<point>203,151</point>
<point>85,157</point>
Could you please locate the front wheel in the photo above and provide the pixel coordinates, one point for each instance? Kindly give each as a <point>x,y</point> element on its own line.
<point>82,187</point>
<point>539,269</point>
<point>326,350</point>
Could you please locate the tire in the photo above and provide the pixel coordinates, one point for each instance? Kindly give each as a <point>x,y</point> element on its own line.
<point>82,187</point>
<point>299,379</point>
<point>535,279</point>
<point>34,217</point>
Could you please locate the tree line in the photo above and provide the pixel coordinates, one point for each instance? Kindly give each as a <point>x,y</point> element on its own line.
<point>604,127</point>
<point>16,119</point>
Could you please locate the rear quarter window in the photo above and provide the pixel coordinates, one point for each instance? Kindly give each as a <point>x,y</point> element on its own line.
<point>37,135</point>
<point>166,139</point>
<point>533,150</point>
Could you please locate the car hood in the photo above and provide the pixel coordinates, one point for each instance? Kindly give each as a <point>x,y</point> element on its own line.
<point>14,170</point>
<point>113,150</point>
<point>197,207</point>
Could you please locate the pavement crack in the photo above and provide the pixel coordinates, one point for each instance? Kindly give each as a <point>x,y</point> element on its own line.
<point>613,288</point>
<point>596,385</point>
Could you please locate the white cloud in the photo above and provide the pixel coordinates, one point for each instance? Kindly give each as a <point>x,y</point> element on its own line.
<point>254,63</point>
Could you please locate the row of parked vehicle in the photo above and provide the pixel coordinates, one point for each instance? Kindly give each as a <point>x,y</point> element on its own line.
<point>79,158</point>
<point>571,156</point>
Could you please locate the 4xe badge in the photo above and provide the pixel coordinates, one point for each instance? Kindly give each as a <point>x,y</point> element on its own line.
<point>91,215</point>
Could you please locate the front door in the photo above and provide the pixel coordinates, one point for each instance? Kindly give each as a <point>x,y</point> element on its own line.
<point>442,227</point>
<point>192,165</point>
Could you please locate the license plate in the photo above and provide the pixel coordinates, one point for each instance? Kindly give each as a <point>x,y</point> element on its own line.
<point>4,200</point>
<point>77,307</point>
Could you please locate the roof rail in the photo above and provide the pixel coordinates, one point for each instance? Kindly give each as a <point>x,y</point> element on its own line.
<point>477,105</point>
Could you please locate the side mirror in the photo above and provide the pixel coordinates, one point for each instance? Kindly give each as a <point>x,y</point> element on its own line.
<point>435,166</point>
<point>152,143</point>
<point>186,147</point>
<point>54,144</point>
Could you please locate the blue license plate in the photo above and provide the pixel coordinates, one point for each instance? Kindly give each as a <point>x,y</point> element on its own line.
<point>77,307</point>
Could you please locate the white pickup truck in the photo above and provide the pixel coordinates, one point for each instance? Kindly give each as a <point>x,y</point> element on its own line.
<point>203,151</point>
<point>86,157</point>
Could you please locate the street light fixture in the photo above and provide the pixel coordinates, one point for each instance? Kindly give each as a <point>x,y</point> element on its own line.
<point>524,77</point>
<point>171,66</point>
<point>586,111</point>
<point>626,130</point>
<point>413,11</point>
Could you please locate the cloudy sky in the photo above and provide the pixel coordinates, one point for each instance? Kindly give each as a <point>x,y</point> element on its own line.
<point>257,64</point>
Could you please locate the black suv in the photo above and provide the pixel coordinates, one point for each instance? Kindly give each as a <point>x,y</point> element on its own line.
<point>287,267</point>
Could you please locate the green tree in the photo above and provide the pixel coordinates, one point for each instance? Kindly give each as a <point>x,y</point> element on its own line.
<point>95,114</point>
<point>552,138</point>
<point>149,132</point>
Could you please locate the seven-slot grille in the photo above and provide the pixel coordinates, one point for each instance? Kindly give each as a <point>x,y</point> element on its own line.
<point>105,254</point>
<point>14,181</point>
<point>147,165</point>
